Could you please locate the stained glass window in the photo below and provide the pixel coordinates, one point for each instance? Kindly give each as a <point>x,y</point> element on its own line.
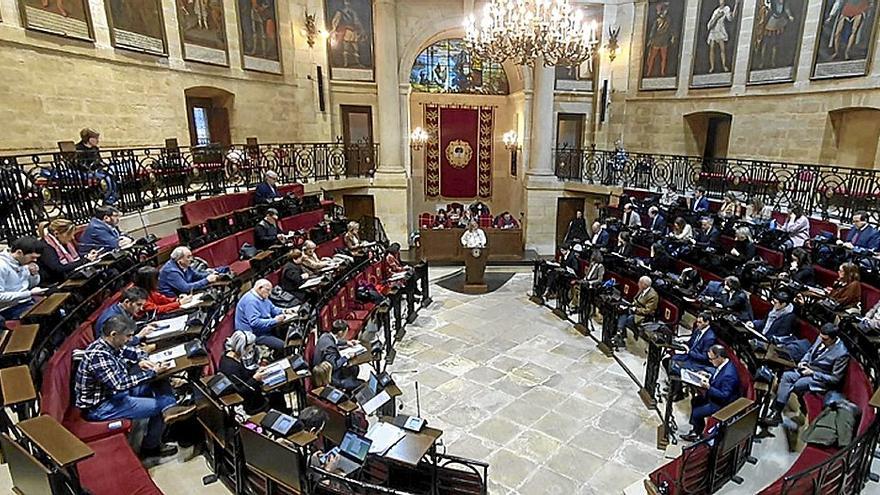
<point>447,67</point>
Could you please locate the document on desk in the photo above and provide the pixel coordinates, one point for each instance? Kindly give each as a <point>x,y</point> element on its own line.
<point>694,378</point>
<point>376,402</point>
<point>195,301</point>
<point>398,276</point>
<point>384,436</point>
<point>353,351</point>
<point>312,282</point>
<point>168,354</point>
<point>278,366</point>
<point>167,328</point>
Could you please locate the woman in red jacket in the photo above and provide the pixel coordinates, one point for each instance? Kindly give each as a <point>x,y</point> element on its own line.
<point>147,278</point>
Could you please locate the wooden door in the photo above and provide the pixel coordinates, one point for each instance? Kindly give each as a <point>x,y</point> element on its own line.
<point>358,206</point>
<point>566,211</point>
<point>357,135</point>
<point>208,122</point>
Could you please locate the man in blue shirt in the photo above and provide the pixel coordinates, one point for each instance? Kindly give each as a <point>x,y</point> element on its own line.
<point>102,232</point>
<point>129,306</point>
<point>177,277</point>
<point>266,191</point>
<point>718,391</point>
<point>255,313</point>
<point>862,235</point>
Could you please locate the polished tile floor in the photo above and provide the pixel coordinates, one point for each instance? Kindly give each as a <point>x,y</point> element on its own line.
<point>513,385</point>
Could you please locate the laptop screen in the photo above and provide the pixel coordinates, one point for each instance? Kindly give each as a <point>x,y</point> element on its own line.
<point>373,383</point>
<point>355,446</point>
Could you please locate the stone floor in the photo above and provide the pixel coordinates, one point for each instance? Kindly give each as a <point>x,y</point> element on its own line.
<point>513,385</point>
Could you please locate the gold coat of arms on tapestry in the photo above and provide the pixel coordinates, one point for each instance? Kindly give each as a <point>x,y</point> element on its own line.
<point>459,153</point>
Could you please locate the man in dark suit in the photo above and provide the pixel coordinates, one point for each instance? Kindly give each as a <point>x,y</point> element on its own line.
<point>266,233</point>
<point>266,191</point>
<point>658,222</point>
<point>327,350</point>
<point>294,275</point>
<point>780,320</point>
<point>577,229</point>
<point>600,236</point>
<point>862,235</point>
<point>735,300</point>
<point>699,203</point>
<point>707,235</point>
<point>644,305</point>
<point>821,369</point>
<point>102,232</point>
<point>720,389</point>
<point>696,356</point>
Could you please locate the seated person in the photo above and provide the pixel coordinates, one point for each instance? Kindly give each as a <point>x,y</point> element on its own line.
<point>669,199</point>
<point>660,260</point>
<point>441,221</point>
<point>266,233</point>
<point>344,376</point>
<point>722,388</point>
<point>600,236</point>
<point>847,289</point>
<point>871,321</point>
<point>116,381</point>
<point>743,248</point>
<point>707,236</point>
<point>311,261</point>
<point>729,207</point>
<point>801,268</point>
<point>658,221</point>
<point>266,192</point>
<point>454,215</point>
<point>577,229</point>
<point>102,233</point>
<point>313,420</point>
<point>696,356</point>
<point>147,279</point>
<point>757,213</point>
<point>130,305</point>
<point>178,277</point>
<point>239,364</point>
<point>58,254</point>
<point>690,281</point>
<point>352,239</point>
<point>820,370</point>
<point>644,304</point>
<point>624,245</point>
<point>631,218</point>
<point>781,318</point>
<point>465,219</point>
<point>862,235</point>
<point>473,237</point>
<point>506,221</point>
<point>596,273</point>
<point>392,259</point>
<point>294,274</point>
<point>735,300</point>
<point>19,277</point>
<point>699,203</point>
<point>681,230</point>
<point>255,313</point>
<point>797,226</point>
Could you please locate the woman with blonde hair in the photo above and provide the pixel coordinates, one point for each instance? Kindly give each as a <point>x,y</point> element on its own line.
<point>353,240</point>
<point>58,254</point>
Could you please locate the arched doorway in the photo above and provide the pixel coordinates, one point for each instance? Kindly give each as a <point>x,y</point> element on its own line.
<point>851,137</point>
<point>207,114</point>
<point>710,133</point>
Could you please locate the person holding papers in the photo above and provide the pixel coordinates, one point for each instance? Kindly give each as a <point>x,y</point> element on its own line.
<point>266,191</point>
<point>255,313</point>
<point>352,239</point>
<point>780,320</point>
<point>294,274</point>
<point>239,364</point>
<point>117,381</point>
<point>311,260</point>
<point>644,305</point>
<point>147,278</point>
<point>19,277</point>
<point>102,232</point>
<point>717,390</point>
<point>58,254</point>
<point>130,304</point>
<point>600,236</point>
<point>862,235</point>
<point>473,237</point>
<point>695,355</point>
<point>743,248</point>
<point>327,350</point>
<point>821,369</point>
<point>178,277</point>
<point>266,233</point>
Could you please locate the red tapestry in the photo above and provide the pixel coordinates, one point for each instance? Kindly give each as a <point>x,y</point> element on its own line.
<point>458,157</point>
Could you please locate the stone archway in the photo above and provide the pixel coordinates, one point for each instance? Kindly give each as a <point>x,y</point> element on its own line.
<point>851,137</point>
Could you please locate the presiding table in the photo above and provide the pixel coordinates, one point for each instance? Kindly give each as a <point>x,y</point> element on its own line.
<point>445,244</point>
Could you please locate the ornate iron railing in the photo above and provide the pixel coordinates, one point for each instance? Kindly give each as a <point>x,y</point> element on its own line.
<point>41,186</point>
<point>829,191</point>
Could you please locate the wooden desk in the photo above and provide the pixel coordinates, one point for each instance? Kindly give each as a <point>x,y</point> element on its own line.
<point>21,340</point>
<point>184,363</point>
<point>445,244</point>
<point>47,306</point>
<point>413,446</point>
<point>59,444</point>
<point>774,357</point>
<point>732,409</point>
<point>16,385</point>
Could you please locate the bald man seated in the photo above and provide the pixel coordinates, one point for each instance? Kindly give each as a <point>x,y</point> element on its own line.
<point>178,277</point>
<point>255,313</point>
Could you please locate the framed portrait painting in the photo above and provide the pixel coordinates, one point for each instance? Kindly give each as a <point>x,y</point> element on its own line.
<point>137,25</point>
<point>846,37</point>
<point>662,47</point>
<point>202,26</point>
<point>258,30</point>
<point>350,44</point>
<point>70,18</point>
<point>718,24</point>
<point>776,40</point>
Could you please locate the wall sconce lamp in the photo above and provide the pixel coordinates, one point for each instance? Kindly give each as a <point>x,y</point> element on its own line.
<point>611,46</point>
<point>511,142</point>
<point>311,31</point>
<point>418,138</point>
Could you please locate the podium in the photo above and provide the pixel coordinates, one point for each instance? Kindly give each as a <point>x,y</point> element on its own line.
<point>475,270</point>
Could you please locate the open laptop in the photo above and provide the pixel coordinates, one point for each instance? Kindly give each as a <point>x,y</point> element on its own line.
<point>352,452</point>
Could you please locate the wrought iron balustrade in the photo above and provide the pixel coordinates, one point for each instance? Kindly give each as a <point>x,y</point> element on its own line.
<point>829,191</point>
<point>40,186</point>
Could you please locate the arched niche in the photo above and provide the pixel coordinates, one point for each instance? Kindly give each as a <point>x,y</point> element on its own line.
<point>208,111</point>
<point>709,134</point>
<point>851,137</point>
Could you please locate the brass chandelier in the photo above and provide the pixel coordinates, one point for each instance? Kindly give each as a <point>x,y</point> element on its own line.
<point>523,30</point>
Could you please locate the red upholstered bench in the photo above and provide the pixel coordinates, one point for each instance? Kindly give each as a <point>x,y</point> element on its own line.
<point>115,469</point>
<point>215,345</point>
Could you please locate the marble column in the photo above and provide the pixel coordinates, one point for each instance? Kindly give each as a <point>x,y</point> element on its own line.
<point>390,140</point>
<point>541,146</point>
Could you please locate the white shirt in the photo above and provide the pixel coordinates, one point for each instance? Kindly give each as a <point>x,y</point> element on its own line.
<point>474,239</point>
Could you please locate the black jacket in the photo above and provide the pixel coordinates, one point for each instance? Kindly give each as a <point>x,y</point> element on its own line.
<point>249,389</point>
<point>745,249</point>
<point>738,304</point>
<point>707,239</point>
<point>51,269</point>
<point>805,275</point>
<point>292,279</point>
<point>265,235</point>
<point>782,326</point>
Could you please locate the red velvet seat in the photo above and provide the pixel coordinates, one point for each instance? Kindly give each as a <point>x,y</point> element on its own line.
<point>818,226</point>
<point>773,257</point>
<point>215,345</point>
<point>426,221</point>
<point>115,469</point>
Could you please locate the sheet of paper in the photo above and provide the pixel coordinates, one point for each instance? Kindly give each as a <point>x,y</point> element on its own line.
<point>169,354</point>
<point>195,301</point>
<point>172,325</point>
<point>692,377</point>
<point>384,436</point>
<point>376,402</point>
<point>312,282</point>
<point>350,352</point>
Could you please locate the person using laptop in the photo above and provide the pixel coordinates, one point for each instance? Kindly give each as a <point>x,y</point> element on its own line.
<point>344,376</point>
<point>721,388</point>
<point>313,420</point>
<point>130,304</point>
<point>239,364</point>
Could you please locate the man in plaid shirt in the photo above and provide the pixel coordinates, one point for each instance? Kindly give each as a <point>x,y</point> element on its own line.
<point>116,381</point>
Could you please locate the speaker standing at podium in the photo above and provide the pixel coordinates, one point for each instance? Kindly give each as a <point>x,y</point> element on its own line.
<point>474,240</point>
<point>473,237</point>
